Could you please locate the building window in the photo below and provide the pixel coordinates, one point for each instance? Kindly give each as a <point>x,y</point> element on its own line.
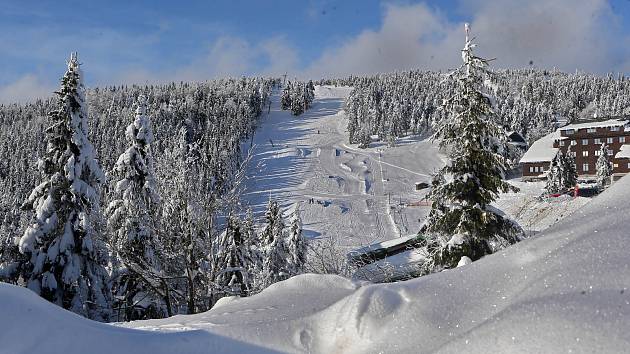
<point>598,152</point>
<point>591,130</point>
<point>622,139</point>
<point>585,167</point>
<point>614,129</point>
<point>610,152</point>
<point>531,169</point>
<point>569,131</point>
<point>584,141</point>
<point>572,153</point>
<point>573,142</point>
<point>598,141</point>
<point>585,153</point>
<point>615,165</point>
<point>610,140</point>
<point>629,165</point>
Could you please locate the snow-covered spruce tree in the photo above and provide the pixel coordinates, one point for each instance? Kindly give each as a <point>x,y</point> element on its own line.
<point>461,221</point>
<point>604,167</point>
<point>555,175</point>
<point>285,99</point>
<point>298,99</point>
<point>252,242</point>
<point>310,92</point>
<point>66,254</point>
<point>188,219</point>
<point>132,223</point>
<point>569,170</point>
<point>12,261</point>
<point>274,248</point>
<point>233,278</point>
<point>296,246</point>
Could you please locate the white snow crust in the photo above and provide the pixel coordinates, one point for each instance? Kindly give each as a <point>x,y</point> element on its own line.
<point>564,290</point>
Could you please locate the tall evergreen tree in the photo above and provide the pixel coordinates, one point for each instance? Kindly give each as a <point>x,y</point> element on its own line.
<point>604,167</point>
<point>66,255</point>
<point>569,170</point>
<point>132,221</point>
<point>274,248</point>
<point>285,99</point>
<point>461,221</point>
<point>296,246</point>
<point>233,277</point>
<point>555,175</point>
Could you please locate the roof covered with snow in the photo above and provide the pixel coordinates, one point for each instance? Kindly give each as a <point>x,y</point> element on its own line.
<point>624,153</point>
<point>542,150</point>
<point>596,124</point>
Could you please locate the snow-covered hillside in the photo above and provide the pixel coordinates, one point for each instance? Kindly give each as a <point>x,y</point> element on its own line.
<point>350,194</point>
<point>360,196</point>
<point>565,290</point>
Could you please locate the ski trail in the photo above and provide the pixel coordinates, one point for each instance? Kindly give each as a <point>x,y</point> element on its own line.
<point>341,191</point>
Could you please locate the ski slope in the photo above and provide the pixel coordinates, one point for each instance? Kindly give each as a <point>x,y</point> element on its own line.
<point>353,195</point>
<point>564,290</point>
<point>360,196</point>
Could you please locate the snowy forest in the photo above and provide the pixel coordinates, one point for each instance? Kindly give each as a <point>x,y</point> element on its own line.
<point>528,101</point>
<point>250,200</point>
<point>159,228</point>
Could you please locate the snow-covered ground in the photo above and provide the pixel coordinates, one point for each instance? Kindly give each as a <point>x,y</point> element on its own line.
<point>356,194</point>
<point>563,290</point>
<point>361,196</point>
<point>534,213</point>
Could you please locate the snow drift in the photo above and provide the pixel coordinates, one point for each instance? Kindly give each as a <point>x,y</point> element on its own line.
<point>565,290</point>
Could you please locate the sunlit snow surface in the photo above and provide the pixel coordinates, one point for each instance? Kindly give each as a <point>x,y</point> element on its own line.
<point>563,290</point>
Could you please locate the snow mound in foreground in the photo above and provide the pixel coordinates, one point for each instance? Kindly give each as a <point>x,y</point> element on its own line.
<point>565,290</point>
<point>29,324</point>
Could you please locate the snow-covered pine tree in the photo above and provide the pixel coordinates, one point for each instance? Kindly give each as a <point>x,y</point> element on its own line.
<point>285,99</point>
<point>554,175</point>
<point>234,261</point>
<point>66,255</point>
<point>310,92</point>
<point>296,245</point>
<point>604,167</point>
<point>132,222</point>
<point>569,170</point>
<point>11,260</point>
<point>298,104</point>
<point>188,219</point>
<point>252,243</point>
<point>275,255</point>
<point>364,139</point>
<point>461,221</point>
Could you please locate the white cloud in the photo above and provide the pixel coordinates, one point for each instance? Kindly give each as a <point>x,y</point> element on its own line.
<point>226,56</point>
<point>25,89</point>
<point>567,34</point>
<point>281,56</point>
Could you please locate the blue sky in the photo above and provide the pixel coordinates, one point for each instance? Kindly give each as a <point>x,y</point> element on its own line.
<point>157,41</point>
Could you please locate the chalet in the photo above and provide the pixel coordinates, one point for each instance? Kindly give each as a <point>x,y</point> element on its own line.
<point>536,160</point>
<point>583,141</point>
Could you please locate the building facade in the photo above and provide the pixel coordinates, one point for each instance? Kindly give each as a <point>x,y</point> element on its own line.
<point>583,141</point>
